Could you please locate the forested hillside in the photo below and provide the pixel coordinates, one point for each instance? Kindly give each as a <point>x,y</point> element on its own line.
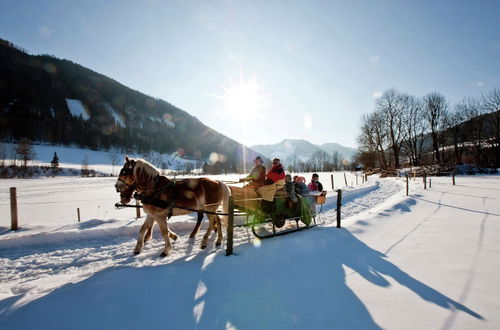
<point>49,99</point>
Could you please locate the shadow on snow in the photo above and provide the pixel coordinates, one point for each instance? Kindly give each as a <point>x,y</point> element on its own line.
<point>292,283</point>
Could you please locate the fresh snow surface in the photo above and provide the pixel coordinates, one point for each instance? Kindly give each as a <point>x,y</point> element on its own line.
<point>427,261</point>
<point>77,109</point>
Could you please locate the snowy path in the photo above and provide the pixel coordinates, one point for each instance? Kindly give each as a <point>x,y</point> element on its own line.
<point>34,265</point>
<point>428,261</point>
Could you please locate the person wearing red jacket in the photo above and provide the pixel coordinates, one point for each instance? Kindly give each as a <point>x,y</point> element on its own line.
<point>275,180</point>
<point>276,172</point>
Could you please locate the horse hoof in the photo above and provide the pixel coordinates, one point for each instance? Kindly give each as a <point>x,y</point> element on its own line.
<point>137,252</point>
<point>163,255</point>
<point>174,238</point>
<point>218,244</point>
<point>191,236</point>
<point>203,247</point>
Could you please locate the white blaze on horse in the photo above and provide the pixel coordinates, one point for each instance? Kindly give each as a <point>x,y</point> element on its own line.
<point>163,198</point>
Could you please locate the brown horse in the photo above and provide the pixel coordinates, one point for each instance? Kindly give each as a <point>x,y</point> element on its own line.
<point>201,194</point>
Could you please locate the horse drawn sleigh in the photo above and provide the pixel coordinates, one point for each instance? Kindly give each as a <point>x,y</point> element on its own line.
<point>163,198</point>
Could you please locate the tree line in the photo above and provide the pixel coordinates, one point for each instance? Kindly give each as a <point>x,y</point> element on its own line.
<point>320,161</point>
<point>406,130</point>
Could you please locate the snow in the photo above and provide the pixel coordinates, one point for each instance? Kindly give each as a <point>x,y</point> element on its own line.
<point>77,109</point>
<point>116,116</point>
<point>72,158</point>
<point>425,261</point>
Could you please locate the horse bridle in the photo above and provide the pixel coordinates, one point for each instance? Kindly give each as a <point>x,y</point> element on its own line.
<point>126,184</point>
<point>125,171</point>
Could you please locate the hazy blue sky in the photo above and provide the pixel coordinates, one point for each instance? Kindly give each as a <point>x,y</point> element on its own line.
<point>316,65</point>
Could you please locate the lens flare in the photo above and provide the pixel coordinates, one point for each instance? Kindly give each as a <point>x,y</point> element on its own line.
<point>243,100</point>
<point>256,242</point>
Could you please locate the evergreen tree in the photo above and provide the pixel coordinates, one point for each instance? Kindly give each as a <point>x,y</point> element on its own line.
<point>55,162</point>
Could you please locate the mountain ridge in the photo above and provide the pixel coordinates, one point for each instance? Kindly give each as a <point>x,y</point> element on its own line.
<point>54,100</point>
<point>302,149</point>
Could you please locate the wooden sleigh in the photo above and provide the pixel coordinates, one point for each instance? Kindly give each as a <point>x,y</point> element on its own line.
<point>280,216</point>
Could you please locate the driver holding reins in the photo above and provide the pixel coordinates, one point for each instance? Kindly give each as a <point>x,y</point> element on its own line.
<point>257,175</point>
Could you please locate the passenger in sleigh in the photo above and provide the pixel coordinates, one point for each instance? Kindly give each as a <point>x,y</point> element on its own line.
<point>300,185</point>
<point>290,189</point>
<point>257,175</point>
<point>275,180</point>
<point>315,187</point>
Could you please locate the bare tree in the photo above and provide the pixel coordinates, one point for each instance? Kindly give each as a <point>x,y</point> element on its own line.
<point>491,105</point>
<point>458,131</point>
<point>436,115</point>
<point>415,129</point>
<point>336,158</point>
<point>373,137</point>
<point>318,160</point>
<point>114,158</point>
<point>475,125</point>
<point>85,166</point>
<point>390,107</point>
<point>25,151</point>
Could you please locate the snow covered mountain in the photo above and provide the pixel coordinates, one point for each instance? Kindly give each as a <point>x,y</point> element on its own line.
<point>302,149</point>
<point>56,101</point>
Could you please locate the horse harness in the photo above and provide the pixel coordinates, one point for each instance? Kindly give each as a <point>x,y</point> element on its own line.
<point>150,198</point>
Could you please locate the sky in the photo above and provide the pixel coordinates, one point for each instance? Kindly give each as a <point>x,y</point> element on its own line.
<point>263,71</point>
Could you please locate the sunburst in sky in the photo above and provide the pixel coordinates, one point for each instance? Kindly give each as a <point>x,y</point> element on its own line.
<point>243,100</point>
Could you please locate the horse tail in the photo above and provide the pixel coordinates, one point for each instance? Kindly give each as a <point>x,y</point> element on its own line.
<point>226,193</point>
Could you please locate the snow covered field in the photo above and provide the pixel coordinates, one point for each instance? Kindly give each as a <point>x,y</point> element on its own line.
<point>100,161</point>
<point>427,261</point>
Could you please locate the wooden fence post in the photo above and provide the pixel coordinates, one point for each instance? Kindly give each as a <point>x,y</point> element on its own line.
<point>345,179</point>
<point>407,185</point>
<point>453,177</point>
<point>138,210</point>
<point>356,179</point>
<point>78,213</point>
<point>430,183</point>
<point>13,209</point>
<point>339,205</point>
<point>425,181</point>
<point>333,186</point>
<point>230,227</point>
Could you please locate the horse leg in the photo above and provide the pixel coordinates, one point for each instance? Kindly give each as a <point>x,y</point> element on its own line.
<point>172,235</point>
<point>219,231</point>
<point>162,223</point>
<point>149,233</point>
<point>197,226</point>
<point>211,225</point>
<point>148,223</point>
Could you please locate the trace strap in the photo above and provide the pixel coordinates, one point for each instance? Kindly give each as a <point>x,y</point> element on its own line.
<point>163,204</point>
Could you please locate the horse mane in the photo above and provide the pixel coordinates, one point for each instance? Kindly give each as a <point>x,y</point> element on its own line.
<point>145,170</point>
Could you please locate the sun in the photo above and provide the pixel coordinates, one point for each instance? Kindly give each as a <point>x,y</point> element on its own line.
<point>243,100</point>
